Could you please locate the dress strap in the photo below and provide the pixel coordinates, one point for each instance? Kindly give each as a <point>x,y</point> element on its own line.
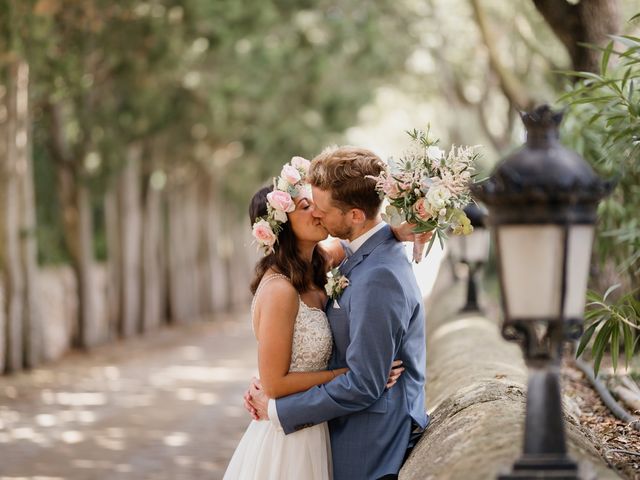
<point>263,282</point>
<point>266,280</point>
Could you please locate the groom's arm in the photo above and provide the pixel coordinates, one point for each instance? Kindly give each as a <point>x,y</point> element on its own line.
<point>377,319</point>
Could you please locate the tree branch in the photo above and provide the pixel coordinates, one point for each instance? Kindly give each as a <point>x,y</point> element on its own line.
<point>589,21</point>
<point>513,89</point>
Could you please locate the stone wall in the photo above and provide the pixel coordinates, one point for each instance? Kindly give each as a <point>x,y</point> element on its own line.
<point>476,394</point>
<point>59,302</point>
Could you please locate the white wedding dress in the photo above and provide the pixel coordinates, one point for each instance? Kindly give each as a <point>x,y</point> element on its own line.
<point>265,452</point>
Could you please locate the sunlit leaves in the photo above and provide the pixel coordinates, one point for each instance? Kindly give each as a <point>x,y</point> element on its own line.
<point>611,324</point>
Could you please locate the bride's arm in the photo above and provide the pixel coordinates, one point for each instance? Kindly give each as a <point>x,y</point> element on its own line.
<point>277,308</point>
<point>334,249</point>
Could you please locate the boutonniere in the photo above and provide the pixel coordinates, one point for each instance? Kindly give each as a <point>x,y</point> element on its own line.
<point>336,283</point>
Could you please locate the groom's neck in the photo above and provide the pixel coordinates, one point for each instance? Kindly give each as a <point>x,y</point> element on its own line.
<point>365,227</point>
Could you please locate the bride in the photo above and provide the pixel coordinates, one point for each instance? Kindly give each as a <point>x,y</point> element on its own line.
<point>292,330</point>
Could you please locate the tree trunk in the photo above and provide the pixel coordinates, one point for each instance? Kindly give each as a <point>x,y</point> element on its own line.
<point>588,21</point>
<point>114,261</point>
<point>182,254</point>
<point>130,217</point>
<point>78,234</point>
<point>32,327</point>
<point>13,278</point>
<point>153,261</point>
<point>3,311</point>
<point>88,325</point>
<point>217,244</point>
<point>206,248</point>
<point>77,222</point>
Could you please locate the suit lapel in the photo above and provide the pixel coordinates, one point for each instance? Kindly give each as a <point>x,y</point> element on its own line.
<point>363,252</point>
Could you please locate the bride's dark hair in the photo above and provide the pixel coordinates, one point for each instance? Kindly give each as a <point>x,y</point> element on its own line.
<point>285,259</point>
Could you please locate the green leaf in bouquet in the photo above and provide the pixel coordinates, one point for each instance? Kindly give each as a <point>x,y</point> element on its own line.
<point>431,242</point>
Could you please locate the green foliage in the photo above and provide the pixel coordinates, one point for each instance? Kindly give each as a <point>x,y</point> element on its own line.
<point>613,324</point>
<point>603,124</point>
<point>228,89</point>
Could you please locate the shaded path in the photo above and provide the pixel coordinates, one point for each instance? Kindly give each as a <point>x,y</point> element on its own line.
<point>166,406</point>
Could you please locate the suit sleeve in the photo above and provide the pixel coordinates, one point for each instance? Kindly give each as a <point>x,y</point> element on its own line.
<point>377,319</point>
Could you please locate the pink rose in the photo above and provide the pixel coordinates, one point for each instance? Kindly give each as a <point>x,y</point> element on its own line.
<point>280,200</point>
<point>290,174</point>
<point>420,208</point>
<point>301,163</point>
<point>263,234</point>
<point>391,189</point>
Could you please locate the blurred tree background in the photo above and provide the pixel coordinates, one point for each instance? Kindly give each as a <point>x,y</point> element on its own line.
<point>133,133</point>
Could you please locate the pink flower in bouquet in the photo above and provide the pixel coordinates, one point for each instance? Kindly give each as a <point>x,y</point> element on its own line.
<point>421,210</point>
<point>263,233</point>
<point>290,174</point>
<point>391,189</point>
<point>301,163</point>
<point>280,200</point>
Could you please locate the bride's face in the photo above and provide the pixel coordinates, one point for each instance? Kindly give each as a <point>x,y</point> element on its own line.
<point>305,226</point>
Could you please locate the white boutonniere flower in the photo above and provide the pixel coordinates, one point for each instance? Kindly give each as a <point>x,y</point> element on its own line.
<point>336,283</point>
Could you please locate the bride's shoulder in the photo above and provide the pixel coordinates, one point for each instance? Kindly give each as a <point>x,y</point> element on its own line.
<point>276,287</point>
<point>276,302</point>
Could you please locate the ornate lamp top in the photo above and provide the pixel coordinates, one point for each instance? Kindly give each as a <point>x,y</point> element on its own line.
<point>551,182</point>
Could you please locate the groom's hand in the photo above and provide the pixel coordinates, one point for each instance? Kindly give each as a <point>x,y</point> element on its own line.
<point>259,400</point>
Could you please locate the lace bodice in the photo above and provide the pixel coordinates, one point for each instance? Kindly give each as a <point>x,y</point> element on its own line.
<point>312,340</point>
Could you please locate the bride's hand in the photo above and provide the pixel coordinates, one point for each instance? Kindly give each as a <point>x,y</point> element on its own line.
<point>258,400</point>
<point>394,374</point>
<point>255,382</point>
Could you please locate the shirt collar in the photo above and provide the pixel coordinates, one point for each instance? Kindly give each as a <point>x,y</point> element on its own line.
<point>355,244</point>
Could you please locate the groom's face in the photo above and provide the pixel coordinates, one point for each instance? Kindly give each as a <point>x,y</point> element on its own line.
<point>332,218</point>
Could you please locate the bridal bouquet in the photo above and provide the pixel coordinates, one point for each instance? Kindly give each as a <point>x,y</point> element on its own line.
<point>429,188</point>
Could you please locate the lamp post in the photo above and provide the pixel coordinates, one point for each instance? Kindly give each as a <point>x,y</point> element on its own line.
<point>542,203</point>
<point>473,251</point>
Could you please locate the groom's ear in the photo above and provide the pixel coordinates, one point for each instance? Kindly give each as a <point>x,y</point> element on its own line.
<point>357,216</point>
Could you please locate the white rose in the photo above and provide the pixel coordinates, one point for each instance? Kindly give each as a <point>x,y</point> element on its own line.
<point>437,197</point>
<point>280,216</point>
<point>282,184</point>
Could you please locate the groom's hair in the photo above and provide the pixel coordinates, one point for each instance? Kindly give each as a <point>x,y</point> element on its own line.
<point>345,172</point>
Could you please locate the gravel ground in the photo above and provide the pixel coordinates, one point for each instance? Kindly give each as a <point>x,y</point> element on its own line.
<point>165,406</point>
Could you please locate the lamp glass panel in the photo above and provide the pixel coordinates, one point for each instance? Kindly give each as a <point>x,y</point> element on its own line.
<point>456,247</point>
<point>579,246</point>
<point>477,244</point>
<point>531,258</point>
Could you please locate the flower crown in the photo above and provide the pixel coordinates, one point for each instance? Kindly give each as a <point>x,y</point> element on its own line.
<point>286,187</point>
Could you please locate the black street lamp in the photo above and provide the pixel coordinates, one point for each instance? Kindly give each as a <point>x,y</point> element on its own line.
<point>473,251</point>
<point>542,203</point>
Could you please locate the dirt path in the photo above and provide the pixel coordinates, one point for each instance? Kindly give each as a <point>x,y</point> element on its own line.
<point>166,406</point>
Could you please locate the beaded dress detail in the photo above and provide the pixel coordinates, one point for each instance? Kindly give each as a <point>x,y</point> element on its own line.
<point>312,341</point>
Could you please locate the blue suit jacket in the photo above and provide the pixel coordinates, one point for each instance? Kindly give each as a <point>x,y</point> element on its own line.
<point>381,318</point>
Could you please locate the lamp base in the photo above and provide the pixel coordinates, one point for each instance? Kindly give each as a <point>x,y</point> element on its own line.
<point>533,467</point>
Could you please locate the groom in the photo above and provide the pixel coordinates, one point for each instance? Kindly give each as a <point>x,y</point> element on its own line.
<point>379,317</point>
